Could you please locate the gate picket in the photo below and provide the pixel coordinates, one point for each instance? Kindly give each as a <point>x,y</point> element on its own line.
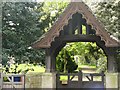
<point>70,83</point>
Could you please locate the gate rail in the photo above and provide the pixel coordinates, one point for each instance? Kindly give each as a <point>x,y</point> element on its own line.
<point>80,83</point>
<point>91,76</point>
<point>72,78</point>
<point>13,81</point>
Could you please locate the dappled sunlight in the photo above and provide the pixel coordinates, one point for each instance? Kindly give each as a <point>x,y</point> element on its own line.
<point>26,68</point>
<point>86,55</point>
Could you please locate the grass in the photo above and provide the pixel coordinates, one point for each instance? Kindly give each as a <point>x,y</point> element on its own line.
<point>86,66</point>
<point>27,68</point>
<point>41,69</point>
<point>32,68</point>
<point>65,78</point>
<point>38,68</point>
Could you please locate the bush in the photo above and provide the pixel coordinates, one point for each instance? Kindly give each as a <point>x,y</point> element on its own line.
<point>102,64</point>
<point>65,62</point>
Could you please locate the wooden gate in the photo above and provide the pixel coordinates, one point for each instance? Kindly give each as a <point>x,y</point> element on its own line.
<point>80,80</point>
<point>72,80</point>
<point>13,81</point>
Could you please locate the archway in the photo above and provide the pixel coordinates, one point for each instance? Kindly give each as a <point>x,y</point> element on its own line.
<point>85,56</point>
<point>68,35</point>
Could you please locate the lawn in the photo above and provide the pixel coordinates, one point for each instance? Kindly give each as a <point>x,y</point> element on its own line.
<point>65,78</point>
<point>31,67</point>
<point>26,68</point>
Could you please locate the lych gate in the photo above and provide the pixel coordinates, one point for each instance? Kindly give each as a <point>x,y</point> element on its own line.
<point>68,28</point>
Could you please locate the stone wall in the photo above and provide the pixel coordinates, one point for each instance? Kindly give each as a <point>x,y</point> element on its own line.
<point>40,80</point>
<point>113,80</point>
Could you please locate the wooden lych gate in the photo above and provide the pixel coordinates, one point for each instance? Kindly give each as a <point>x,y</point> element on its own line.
<point>69,28</point>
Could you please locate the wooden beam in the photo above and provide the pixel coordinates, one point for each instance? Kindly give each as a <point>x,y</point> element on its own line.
<point>78,38</point>
<point>80,24</point>
<point>61,32</point>
<point>70,27</point>
<point>66,30</point>
<point>111,60</point>
<point>74,22</point>
<point>87,29</point>
<point>101,44</point>
<point>50,61</point>
<point>58,49</point>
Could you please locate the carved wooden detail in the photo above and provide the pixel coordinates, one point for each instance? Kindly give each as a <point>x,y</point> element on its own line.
<point>62,21</point>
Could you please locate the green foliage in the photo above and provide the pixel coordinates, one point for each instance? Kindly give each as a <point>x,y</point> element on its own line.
<point>102,64</point>
<point>65,61</point>
<point>18,68</point>
<point>108,13</point>
<point>87,53</point>
<point>23,23</point>
<point>51,12</point>
<point>20,29</point>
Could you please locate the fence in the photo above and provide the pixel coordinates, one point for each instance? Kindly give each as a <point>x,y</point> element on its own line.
<point>13,81</point>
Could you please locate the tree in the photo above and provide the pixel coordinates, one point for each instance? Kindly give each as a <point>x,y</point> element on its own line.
<point>20,29</point>
<point>65,61</point>
<point>89,54</point>
<point>23,24</point>
<point>108,13</point>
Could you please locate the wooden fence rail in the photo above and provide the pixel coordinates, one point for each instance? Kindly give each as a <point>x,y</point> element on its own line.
<point>13,81</point>
<point>75,80</point>
<point>91,76</point>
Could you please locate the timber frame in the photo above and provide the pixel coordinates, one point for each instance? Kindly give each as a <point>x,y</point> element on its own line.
<point>68,28</point>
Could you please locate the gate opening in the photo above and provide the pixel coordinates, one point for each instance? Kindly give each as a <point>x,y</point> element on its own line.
<point>85,56</point>
<point>80,64</point>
